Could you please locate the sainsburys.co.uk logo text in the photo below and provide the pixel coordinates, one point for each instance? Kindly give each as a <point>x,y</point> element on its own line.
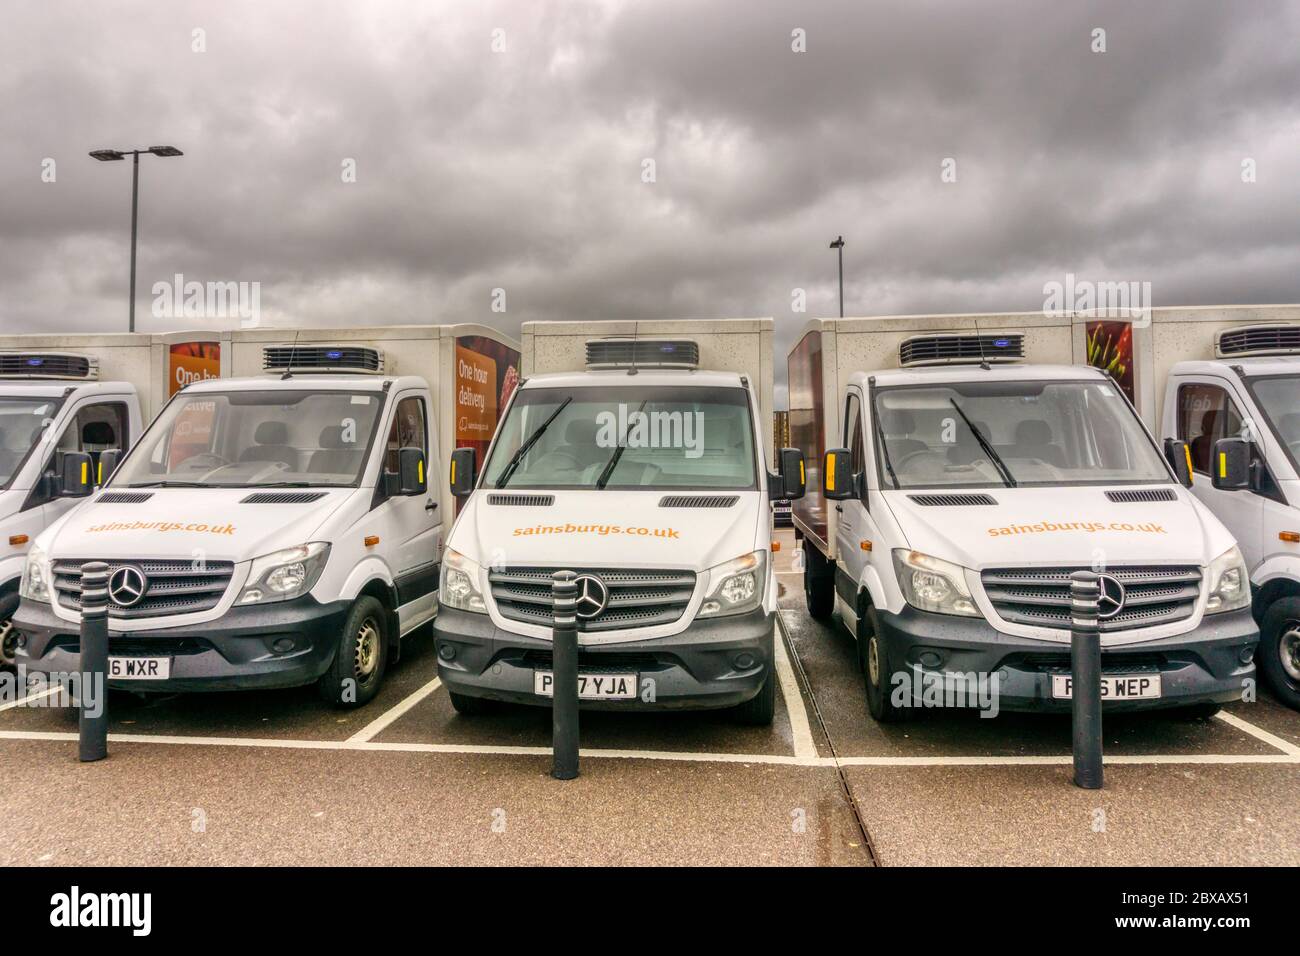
<point>1046,527</point>
<point>75,908</point>
<point>598,529</point>
<point>163,526</point>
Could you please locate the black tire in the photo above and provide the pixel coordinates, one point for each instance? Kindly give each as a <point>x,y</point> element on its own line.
<point>759,710</point>
<point>1278,656</point>
<point>357,671</point>
<point>473,706</point>
<point>873,658</point>
<point>818,583</point>
<point>8,636</point>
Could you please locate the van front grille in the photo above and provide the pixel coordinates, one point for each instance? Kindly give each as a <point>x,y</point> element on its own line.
<point>637,597</point>
<point>1155,594</point>
<point>173,587</point>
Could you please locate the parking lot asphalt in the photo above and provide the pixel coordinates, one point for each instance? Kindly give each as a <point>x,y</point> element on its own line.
<point>280,778</point>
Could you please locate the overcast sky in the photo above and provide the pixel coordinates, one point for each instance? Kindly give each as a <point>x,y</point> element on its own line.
<point>523,167</point>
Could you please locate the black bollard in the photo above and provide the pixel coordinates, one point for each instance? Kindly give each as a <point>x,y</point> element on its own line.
<point>564,676</point>
<point>1085,678</point>
<point>93,740</point>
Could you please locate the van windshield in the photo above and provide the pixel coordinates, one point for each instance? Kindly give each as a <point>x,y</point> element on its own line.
<point>1278,397</point>
<point>650,437</point>
<point>986,434</point>
<point>255,439</point>
<point>22,420</point>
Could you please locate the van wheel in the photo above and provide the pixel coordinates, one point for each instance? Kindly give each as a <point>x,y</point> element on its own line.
<point>473,706</point>
<point>8,643</point>
<point>354,677</point>
<point>759,710</point>
<point>1279,649</point>
<point>818,585</point>
<point>873,657</point>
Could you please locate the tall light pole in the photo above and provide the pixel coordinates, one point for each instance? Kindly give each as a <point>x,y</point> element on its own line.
<point>839,244</point>
<point>112,155</point>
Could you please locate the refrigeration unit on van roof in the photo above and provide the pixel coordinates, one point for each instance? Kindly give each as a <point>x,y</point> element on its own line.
<point>1246,340</point>
<point>49,365</point>
<point>323,358</point>
<point>630,352</point>
<point>947,348</point>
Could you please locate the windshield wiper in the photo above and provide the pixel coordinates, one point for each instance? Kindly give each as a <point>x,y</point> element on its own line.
<point>993,456</point>
<point>508,472</point>
<point>171,484</point>
<point>608,471</point>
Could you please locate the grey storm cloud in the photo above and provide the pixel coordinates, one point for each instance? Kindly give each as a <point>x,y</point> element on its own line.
<point>520,167</point>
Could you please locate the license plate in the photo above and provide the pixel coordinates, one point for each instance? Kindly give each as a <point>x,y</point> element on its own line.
<point>1113,686</point>
<point>139,668</point>
<point>590,686</point>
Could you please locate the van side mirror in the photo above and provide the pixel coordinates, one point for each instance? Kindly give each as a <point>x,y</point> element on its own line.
<point>794,476</point>
<point>75,477</point>
<point>837,475</point>
<point>411,479</point>
<point>108,460</point>
<point>462,472</point>
<point>1230,469</point>
<point>1179,456</point>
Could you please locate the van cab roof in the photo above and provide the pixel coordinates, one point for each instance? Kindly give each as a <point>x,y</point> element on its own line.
<point>312,382</point>
<point>938,374</point>
<point>1262,365</point>
<point>19,388</point>
<point>619,377</point>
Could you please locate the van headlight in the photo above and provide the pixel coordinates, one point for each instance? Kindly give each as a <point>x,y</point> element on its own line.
<point>1229,582</point>
<point>932,584</point>
<point>282,575</point>
<point>736,586</point>
<point>36,580</point>
<point>458,586</point>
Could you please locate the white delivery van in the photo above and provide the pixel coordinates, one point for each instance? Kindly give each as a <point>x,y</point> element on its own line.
<point>266,531</point>
<point>644,474</point>
<point>1238,410</point>
<point>58,424</point>
<point>958,489</point>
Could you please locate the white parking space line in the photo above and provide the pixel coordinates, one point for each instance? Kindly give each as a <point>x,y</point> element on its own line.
<point>381,723</point>
<point>31,698</point>
<point>800,728</point>
<point>669,755</point>
<point>1259,733</point>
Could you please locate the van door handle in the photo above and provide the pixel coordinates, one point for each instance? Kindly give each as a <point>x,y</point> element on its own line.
<point>840,509</point>
<point>430,505</point>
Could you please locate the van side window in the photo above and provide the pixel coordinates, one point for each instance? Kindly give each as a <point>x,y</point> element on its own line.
<point>408,431</point>
<point>1205,414</point>
<point>853,440</point>
<point>93,429</point>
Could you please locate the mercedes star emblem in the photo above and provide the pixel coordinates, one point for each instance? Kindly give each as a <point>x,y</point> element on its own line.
<point>593,595</point>
<point>1111,599</point>
<point>127,585</point>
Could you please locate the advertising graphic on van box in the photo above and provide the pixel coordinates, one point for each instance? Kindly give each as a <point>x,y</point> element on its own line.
<point>487,372</point>
<point>189,362</point>
<point>1110,348</point>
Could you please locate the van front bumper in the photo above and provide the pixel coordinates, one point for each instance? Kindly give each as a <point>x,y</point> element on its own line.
<point>1203,666</point>
<point>235,652</point>
<point>702,668</point>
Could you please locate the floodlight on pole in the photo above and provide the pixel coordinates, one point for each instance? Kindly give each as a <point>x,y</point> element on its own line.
<point>112,155</point>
